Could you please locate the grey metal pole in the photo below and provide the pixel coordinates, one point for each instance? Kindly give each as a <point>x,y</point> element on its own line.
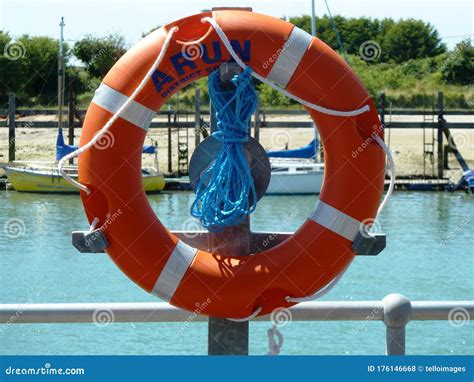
<point>228,337</point>
<point>140,312</point>
<point>61,75</point>
<point>313,18</point>
<point>11,127</point>
<point>396,315</point>
<point>70,102</point>
<point>256,130</point>
<point>440,135</point>
<point>197,117</point>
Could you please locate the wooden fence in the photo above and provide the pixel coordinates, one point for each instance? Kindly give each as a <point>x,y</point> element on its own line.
<point>434,118</point>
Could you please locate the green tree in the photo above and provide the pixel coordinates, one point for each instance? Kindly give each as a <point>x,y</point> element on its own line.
<point>8,68</point>
<point>99,54</point>
<point>356,31</point>
<point>42,68</point>
<point>29,68</point>
<point>324,28</point>
<point>411,39</point>
<point>459,66</point>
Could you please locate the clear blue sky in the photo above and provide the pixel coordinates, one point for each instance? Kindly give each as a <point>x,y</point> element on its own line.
<point>452,18</point>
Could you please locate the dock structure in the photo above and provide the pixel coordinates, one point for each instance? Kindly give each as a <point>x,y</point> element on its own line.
<point>433,122</point>
<point>395,311</point>
<point>419,184</point>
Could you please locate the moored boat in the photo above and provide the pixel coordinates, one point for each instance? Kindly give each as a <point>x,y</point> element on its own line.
<point>295,171</point>
<point>46,179</point>
<point>292,176</point>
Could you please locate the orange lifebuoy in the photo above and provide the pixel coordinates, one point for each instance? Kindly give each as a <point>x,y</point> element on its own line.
<point>156,259</point>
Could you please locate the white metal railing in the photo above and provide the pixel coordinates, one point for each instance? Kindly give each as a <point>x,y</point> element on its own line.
<point>395,310</point>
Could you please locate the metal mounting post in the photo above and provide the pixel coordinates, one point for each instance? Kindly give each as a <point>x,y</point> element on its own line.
<point>228,337</point>
<point>396,315</point>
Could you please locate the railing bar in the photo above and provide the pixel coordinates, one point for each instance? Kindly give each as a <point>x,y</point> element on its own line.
<point>163,312</point>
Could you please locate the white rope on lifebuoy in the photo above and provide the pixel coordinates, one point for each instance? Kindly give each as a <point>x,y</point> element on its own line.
<point>318,108</point>
<point>391,165</point>
<point>116,115</point>
<point>248,318</point>
<point>321,109</point>
<point>274,347</point>
<point>94,224</point>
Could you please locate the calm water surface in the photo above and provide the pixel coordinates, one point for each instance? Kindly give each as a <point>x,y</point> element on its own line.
<point>429,256</point>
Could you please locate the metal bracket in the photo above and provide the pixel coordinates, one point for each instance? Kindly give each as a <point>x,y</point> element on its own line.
<point>96,242</point>
<point>369,245</point>
<point>89,241</point>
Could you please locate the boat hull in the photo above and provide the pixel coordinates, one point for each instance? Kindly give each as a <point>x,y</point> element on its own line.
<point>44,181</point>
<point>295,183</point>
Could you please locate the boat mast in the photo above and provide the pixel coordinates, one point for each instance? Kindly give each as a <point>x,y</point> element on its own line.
<point>61,75</point>
<point>313,32</point>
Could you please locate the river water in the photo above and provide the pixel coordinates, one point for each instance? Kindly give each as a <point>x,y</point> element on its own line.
<point>429,256</point>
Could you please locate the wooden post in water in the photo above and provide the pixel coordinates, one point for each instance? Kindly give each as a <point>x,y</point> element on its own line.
<point>382,108</point>
<point>170,154</point>
<point>440,135</point>
<point>11,127</point>
<point>228,337</point>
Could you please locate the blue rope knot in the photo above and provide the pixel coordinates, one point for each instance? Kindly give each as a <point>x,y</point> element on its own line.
<point>226,192</point>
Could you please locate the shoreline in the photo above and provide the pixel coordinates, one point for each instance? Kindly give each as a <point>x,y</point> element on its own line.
<point>38,144</point>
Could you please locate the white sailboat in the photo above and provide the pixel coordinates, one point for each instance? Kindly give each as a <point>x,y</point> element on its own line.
<point>295,172</point>
<point>295,177</point>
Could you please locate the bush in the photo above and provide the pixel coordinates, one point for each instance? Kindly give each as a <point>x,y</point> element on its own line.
<point>99,54</point>
<point>458,67</point>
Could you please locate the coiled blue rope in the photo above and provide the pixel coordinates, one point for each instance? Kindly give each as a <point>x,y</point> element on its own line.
<point>226,192</point>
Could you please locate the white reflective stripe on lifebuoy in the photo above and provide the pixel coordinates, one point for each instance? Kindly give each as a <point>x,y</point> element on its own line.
<point>174,270</point>
<point>336,221</point>
<point>112,100</point>
<point>290,56</point>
